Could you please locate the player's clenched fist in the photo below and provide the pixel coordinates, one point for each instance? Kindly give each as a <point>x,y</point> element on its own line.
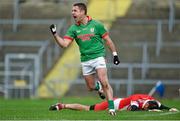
<point>53,29</point>
<point>116,59</point>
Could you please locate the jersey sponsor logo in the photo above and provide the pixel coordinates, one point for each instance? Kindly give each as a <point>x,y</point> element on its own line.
<point>85,37</point>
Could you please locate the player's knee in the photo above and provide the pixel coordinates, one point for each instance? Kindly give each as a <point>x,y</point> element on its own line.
<point>102,78</point>
<point>105,85</point>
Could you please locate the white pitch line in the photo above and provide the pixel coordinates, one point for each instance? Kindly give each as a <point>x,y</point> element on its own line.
<point>167,113</point>
<point>158,114</point>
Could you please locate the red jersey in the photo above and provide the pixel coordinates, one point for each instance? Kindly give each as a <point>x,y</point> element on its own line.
<point>137,99</point>
<point>123,103</point>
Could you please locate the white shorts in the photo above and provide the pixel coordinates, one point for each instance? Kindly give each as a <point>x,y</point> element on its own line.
<point>89,67</point>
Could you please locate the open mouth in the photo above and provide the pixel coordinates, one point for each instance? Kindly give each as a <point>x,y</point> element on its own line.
<point>74,16</point>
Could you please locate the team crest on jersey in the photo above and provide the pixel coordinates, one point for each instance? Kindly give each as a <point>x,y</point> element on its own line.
<point>92,29</point>
<point>78,31</point>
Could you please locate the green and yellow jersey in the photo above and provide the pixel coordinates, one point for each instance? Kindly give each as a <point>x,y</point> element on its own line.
<point>89,38</point>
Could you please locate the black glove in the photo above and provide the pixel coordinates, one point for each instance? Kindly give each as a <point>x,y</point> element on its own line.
<point>53,29</point>
<point>116,60</point>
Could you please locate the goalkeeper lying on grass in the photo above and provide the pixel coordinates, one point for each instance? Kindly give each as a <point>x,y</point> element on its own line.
<point>136,102</point>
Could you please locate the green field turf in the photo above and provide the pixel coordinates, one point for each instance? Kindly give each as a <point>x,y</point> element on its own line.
<point>38,110</point>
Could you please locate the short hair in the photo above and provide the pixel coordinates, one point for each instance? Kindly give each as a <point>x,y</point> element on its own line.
<point>153,104</point>
<point>82,6</point>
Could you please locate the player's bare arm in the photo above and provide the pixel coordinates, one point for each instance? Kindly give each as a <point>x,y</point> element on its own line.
<point>61,42</point>
<point>110,43</point>
<point>112,47</point>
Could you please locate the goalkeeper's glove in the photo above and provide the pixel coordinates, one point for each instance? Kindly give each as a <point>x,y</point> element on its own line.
<point>116,59</point>
<point>53,29</point>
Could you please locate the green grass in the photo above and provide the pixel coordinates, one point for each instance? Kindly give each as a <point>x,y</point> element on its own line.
<point>38,110</point>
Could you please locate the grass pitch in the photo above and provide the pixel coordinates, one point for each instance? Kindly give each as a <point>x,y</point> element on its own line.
<point>38,110</point>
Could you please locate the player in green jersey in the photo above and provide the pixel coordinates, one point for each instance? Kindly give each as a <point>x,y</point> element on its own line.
<point>90,35</point>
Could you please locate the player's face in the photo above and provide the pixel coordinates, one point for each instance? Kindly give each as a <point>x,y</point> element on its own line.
<point>77,14</point>
<point>146,106</point>
<point>151,105</point>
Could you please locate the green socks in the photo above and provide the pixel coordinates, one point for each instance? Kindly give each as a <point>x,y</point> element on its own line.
<point>97,86</point>
<point>110,104</point>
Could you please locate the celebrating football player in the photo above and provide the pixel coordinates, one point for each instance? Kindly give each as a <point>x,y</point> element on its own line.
<point>91,37</point>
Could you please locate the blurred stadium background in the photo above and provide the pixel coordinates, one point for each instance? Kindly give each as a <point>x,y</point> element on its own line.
<point>146,34</point>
